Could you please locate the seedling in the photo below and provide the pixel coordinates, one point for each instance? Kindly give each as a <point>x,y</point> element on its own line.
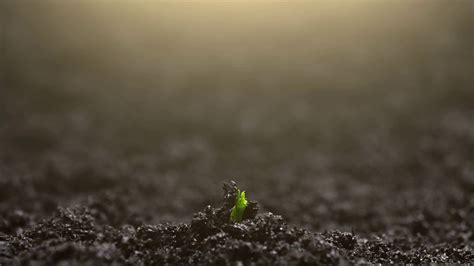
<point>239,208</point>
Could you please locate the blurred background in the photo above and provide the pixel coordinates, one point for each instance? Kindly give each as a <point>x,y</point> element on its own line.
<point>353,111</point>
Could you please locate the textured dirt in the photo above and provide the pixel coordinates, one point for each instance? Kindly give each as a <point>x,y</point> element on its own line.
<point>83,235</point>
<point>346,182</point>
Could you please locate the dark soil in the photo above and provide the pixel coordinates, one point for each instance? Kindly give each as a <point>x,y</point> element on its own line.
<point>346,182</point>
<point>84,235</point>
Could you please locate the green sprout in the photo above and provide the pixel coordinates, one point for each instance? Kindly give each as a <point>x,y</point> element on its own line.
<point>239,207</point>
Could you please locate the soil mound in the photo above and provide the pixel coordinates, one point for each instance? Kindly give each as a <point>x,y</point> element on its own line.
<point>78,235</point>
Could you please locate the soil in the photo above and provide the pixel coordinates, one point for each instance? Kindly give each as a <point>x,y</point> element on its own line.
<point>350,182</point>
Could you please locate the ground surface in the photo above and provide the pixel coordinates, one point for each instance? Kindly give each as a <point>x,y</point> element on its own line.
<point>349,177</point>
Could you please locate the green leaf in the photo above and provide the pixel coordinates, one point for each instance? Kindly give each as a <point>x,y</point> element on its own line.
<point>240,205</point>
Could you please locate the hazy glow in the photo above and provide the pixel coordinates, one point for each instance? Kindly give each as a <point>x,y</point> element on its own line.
<point>337,44</point>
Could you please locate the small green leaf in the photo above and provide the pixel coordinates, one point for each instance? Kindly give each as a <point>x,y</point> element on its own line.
<point>240,205</point>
